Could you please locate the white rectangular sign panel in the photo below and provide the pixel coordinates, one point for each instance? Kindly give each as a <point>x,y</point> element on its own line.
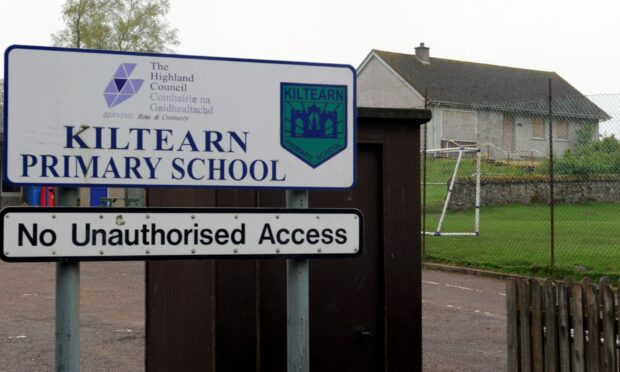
<point>84,118</point>
<point>100,234</point>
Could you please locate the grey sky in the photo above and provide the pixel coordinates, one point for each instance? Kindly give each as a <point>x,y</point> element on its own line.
<point>580,40</point>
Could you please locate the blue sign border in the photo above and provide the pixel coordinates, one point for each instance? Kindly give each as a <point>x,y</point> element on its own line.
<point>177,56</point>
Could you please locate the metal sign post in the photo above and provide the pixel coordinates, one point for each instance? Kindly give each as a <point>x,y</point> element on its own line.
<point>67,301</point>
<point>298,301</point>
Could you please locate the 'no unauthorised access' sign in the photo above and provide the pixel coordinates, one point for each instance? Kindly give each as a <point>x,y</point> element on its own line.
<point>47,234</point>
<point>85,117</point>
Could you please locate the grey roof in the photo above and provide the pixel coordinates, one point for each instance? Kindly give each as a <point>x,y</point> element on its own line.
<point>491,86</point>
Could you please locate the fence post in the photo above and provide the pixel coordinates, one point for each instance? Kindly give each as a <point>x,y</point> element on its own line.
<point>537,326</point>
<point>551,179</point>
<point>617,316</point>
<point>592,356</point>
<point>524,325</point>
<point>477,206</point>
<point>424,170</point>
<point>578,331</point>
<point>551,338</point>
<point>609,337</point>
<point>512,324</point>
<point>564,324</point>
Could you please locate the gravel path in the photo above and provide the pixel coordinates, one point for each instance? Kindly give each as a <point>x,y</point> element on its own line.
<point>464,322</point>
<point>111,312</point>
<point>464,319</point>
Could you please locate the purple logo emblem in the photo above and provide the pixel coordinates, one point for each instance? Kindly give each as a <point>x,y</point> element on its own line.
<point>121,88</point>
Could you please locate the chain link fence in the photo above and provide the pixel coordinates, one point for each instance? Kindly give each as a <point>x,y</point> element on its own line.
<point>547,187</point>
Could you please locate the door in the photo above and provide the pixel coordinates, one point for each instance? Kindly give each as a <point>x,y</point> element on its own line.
<point>508,136</point>
<point>346,295</point>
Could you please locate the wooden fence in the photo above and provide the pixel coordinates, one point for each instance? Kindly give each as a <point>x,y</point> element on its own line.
<point>563,326</point>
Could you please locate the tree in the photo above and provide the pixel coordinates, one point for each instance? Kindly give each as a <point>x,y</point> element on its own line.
<point>129,25</point>
<point>585,134</point>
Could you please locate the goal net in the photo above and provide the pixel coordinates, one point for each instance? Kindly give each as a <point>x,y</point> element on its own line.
<point>447,212</point>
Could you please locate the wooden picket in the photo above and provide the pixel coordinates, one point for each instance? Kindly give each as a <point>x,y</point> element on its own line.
<point>536,327</point>
<point>513,326</point>
<point>609,362</point>
<point>592,329</point>
<point>563,326</point>
<point>551,327</point>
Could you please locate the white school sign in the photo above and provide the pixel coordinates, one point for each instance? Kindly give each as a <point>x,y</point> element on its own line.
<point>86,118</point>
<point>100,234</point>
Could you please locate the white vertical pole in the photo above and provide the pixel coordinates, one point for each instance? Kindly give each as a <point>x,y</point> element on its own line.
<point>445,205</point>
<point>298,301</point>
<point>477,206</point>
<point>67,301</point>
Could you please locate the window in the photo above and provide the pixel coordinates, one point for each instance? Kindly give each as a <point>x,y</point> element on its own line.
<point>561,130</point>
<point>538,128</point>
<point>458,126</point>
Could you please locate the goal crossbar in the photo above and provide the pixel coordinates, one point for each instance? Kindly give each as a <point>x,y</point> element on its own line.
<point>448,150</point>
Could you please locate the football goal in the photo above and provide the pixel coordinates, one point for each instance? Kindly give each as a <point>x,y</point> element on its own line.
<point>443,160</point>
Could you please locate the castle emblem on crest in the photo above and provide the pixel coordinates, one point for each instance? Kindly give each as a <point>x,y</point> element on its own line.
<point>313,121</point>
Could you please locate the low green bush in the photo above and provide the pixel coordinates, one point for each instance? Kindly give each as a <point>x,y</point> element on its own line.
<point>597,157</point>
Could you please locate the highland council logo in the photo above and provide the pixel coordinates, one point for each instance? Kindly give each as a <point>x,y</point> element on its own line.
<point>313,121</point>
<point>121,87</point>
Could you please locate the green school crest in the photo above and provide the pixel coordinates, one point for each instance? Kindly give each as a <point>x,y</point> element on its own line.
<point>313,121</point>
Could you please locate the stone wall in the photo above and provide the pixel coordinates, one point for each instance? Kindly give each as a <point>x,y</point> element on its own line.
<point>535,190</point>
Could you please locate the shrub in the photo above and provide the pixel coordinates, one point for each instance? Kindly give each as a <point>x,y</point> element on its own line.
<point>597,157</point>
<point>585,135</point>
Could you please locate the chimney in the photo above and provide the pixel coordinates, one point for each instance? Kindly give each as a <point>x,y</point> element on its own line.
<point>423,54</point>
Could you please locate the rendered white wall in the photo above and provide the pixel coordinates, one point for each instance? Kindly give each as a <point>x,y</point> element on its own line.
<point>377,86</point>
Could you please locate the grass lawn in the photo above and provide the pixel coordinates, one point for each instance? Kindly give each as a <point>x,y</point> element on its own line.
<point>515,238</point>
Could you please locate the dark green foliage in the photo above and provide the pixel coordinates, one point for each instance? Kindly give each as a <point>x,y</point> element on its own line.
<point>594,158</point>
<point>585,134</point>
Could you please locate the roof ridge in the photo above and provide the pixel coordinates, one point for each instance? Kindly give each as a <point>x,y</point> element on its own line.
<point>493,65</point>
<point>468,62</point>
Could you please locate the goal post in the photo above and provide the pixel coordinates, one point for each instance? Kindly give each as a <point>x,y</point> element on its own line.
<point>460,151</point>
